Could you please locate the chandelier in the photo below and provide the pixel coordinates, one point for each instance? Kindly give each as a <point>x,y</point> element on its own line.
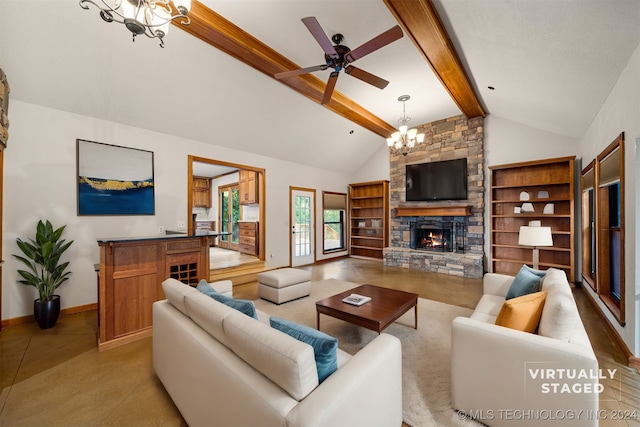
<point>405,140</point>
<point>148,17</point>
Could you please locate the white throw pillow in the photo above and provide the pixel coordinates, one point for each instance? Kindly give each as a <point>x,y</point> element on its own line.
<point>558,317</point>
<point>560,311</point>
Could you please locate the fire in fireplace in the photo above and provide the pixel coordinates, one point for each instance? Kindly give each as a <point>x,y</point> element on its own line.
<point>439,236</point>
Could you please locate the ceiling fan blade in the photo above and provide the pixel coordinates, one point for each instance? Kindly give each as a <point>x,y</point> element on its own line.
<point>331,84</point>
<point>285,74</point>
<point>375,43</point>
<point>366,77</point>
<point>318,33</point>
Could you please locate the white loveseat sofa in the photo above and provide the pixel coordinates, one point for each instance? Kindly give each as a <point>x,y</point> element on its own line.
<point>224,368</point>
<point>505,377</point>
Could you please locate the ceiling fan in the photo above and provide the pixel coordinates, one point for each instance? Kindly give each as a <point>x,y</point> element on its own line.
<point>340,57</point>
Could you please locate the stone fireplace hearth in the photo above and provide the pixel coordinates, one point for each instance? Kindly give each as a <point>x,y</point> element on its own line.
<point>447,236</point>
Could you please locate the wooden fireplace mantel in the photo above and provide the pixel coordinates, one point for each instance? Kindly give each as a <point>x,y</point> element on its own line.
<point>464,210</point>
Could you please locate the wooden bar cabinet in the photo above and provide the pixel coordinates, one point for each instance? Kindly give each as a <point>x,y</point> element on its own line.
<point>130,277</point>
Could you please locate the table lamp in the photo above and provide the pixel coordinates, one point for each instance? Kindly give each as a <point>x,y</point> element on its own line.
<point>536,237</point>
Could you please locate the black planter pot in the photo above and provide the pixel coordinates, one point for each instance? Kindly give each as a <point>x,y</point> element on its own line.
<point>47,312</point>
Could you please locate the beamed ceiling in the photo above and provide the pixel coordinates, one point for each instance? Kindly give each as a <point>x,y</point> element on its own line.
<point>552,64</point>
<point>419,20</point>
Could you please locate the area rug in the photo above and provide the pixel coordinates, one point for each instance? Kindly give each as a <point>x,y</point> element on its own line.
<point>426,365</point>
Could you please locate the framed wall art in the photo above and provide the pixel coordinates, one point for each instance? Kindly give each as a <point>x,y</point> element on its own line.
<point>114,180</point>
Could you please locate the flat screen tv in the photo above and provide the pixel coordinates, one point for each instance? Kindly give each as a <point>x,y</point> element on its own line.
<point>443,180</point>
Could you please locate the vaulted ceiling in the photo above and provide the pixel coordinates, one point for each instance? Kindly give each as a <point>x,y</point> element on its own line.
<point>552,64</point>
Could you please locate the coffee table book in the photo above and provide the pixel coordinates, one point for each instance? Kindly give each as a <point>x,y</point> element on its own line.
<point>356,299</point>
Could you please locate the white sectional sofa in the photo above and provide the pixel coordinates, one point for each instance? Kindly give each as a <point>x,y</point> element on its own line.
<point>505,377</point>
<point>224,368</point>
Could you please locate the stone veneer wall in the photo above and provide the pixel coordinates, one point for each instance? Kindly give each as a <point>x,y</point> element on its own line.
<point>453,138</point>
<point>4,105</point>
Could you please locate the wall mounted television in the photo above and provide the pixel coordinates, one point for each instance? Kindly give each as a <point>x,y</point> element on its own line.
<point>442,180</point>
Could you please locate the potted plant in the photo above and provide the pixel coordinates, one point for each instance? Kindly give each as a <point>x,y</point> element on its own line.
<point>45,271</point>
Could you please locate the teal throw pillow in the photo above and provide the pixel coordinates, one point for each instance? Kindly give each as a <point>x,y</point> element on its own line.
<point>204,287</point>
<point>539,273</point>
<point>526,282</point>
<point>325,347</point>
<point>243,306</point>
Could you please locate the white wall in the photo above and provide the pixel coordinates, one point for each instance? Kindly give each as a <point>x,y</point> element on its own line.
<point>40,182</point>
<point>375,169</point>
<point>510,142</point>
<point>621,113</point>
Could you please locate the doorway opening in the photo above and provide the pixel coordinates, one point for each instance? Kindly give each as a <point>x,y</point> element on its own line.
<point>302,219</point>
<point>222,212</point>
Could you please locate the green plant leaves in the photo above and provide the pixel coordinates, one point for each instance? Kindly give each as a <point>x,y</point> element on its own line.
<point>42,256</point>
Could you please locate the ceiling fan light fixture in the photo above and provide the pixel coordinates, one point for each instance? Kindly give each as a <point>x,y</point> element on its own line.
<point>148,17</point>
<point>339,57</point>
<point>405,140</point>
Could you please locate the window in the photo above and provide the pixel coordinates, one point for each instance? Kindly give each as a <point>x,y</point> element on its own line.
<point>610,228</point>
<point>614,241</point>
<point>303,224</point>
<point>589,226</point>
<point>333,215</point>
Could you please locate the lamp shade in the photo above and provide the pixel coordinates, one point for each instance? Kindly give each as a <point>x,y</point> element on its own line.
<point>535,236</point>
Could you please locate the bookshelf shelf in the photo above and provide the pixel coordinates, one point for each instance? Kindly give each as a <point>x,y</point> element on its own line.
<point>554,178</point>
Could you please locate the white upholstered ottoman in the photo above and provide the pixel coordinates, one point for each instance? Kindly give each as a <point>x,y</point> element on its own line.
<point>284,284</point>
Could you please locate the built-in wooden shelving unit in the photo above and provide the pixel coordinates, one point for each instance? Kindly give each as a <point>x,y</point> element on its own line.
<point>369,218</point>
<point>548,184</point>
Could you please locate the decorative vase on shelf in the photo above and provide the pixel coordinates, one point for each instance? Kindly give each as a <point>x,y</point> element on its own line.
<point>527,208</point>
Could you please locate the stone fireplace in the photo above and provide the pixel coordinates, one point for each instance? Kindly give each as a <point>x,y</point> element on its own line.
<point>447,236</point>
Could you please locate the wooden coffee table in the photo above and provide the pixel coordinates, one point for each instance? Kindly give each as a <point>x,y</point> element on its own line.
<point>385,307</point>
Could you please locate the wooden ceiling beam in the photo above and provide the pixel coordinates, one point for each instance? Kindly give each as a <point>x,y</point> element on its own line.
<point>217,31</point>
<point>421,22</point>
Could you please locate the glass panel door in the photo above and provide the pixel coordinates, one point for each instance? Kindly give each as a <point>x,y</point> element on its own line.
<point>229,197</point>
<point>302,227</point>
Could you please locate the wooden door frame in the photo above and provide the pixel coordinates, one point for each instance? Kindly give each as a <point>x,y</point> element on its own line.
<point>1,259</point>
<point>262,194</point>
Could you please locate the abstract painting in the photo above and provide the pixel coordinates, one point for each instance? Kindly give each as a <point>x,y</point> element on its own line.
<point>114,180</point>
